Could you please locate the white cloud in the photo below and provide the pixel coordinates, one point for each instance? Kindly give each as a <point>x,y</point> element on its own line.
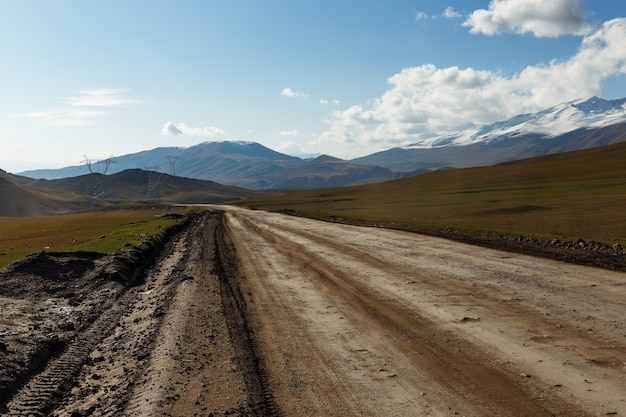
<point>425,101</point>
<point>540,17</point>
<point>81,109</point>
<point>170,128</point>
<point>334,102</point>
<point>421,16</point>
<point>101,98</point>
<point>288,92</point>
<point>289,133</point>
<point>450,13</point>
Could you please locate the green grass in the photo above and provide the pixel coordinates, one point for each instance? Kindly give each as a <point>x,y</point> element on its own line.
<point>570,196</point>
<point>106,231</point>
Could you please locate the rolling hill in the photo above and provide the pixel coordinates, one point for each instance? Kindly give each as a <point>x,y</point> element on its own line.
<point>570,195</point>
<point>30,197</point>
<point>18,200</point>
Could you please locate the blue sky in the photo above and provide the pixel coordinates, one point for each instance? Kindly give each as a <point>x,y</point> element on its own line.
<point>341,77</point>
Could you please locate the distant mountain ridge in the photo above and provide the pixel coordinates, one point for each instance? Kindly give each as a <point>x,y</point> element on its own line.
<point>557,120</point>
<point>577,124</point>
<point>19,200</point>
<point>574,125</point>
<point>242,164</point>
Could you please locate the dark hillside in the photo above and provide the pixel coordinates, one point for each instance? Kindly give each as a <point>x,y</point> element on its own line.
<point>137,185</point>
<point>327,171</point>
<point>17,201</point>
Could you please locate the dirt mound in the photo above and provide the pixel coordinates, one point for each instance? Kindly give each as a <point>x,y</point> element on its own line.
<point>580,252</point>
<point>50,300</point>
<point>43,274</point>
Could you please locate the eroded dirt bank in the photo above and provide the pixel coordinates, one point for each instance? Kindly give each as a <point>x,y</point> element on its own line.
<point>248,313</point>
<point>159,332</point>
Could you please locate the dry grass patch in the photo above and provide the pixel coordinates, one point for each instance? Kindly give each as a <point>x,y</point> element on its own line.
<point>570,196</point>
<point>104,231</point>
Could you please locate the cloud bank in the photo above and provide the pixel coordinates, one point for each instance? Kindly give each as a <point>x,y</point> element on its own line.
<point>426,101</point>
<point>170,128</point>
<point>540,17</point>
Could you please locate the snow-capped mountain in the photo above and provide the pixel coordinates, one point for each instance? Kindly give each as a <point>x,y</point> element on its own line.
<point>563,118</point>
<point>570,126</point>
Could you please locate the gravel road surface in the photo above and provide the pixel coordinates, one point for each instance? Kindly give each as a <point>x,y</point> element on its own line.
<point>364,321</point>
<point>249,313</point>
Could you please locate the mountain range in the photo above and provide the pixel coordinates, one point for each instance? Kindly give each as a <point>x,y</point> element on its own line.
<point>574,125</point>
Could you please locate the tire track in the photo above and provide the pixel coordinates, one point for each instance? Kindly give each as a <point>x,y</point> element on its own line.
<point>247,347</point>
<point>40,395</point>
<point>486,298</point>
<point>46,389</point>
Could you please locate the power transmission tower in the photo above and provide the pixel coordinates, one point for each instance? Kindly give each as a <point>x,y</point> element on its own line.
<point>173,160</point>
<point>153,178</point>
<point>96,167</point>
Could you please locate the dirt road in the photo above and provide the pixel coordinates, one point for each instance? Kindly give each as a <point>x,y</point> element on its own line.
<point>364,321</point>
<point>249,313</point>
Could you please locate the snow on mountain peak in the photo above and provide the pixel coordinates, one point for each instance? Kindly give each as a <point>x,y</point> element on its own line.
<point>593,112</point>
<point>596,104</point>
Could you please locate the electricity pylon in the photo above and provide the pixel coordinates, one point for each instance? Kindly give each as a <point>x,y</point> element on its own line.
<point>100,169</point>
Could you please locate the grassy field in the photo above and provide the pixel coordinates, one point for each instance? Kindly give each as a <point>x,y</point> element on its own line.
<point>105,231</point>
<point>569,196</point>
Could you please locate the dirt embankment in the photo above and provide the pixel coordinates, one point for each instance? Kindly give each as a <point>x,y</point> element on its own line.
<point>50,298</point>
<point>157,330</point>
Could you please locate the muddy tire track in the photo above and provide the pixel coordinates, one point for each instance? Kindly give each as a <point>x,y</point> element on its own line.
<point>40,395</point>
<point>248,351</point>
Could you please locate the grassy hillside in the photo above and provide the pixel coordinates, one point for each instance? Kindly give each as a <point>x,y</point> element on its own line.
<point>23,196</point>
<point>19,200</point>
<point>136,185</point>
<point>568,196</point>
<point>101,230</point>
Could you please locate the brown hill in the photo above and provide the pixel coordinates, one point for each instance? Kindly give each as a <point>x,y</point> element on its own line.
<point>18,201</point>
<point>573,195</point>
<point>138,185</point>
<point>22,196</point>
